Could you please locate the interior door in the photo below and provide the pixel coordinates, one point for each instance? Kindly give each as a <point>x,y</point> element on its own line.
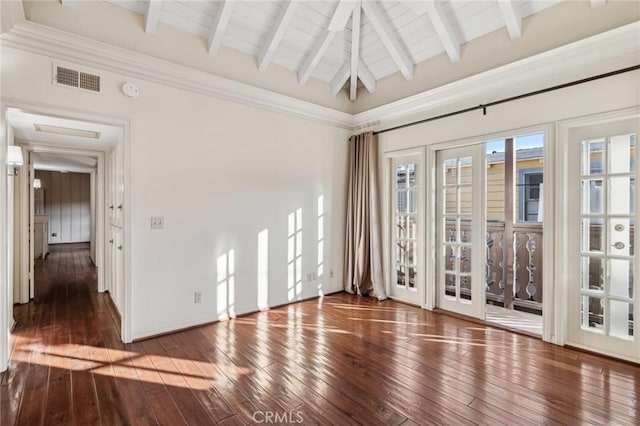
<point>602,211</point>
<point>407,229</point>
<point>460,230</point>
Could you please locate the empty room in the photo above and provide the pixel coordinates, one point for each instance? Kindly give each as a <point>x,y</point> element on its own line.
<point>321,212</point>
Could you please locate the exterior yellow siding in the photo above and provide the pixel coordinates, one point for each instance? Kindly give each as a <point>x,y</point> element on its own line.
<point>495,187</point>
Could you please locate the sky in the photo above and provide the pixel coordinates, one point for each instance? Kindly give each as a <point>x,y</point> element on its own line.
<point>522,142</point>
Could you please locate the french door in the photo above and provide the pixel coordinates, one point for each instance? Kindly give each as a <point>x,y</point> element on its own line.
<point>602,212</point>
<point>407,233</point>
<point>460,230</point>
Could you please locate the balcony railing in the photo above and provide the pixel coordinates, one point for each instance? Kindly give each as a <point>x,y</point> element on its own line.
<point>525,293</point>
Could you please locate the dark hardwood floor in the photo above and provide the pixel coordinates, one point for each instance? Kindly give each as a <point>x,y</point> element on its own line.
<point>338,360</point>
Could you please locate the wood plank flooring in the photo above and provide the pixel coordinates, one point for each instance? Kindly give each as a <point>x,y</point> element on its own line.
<point>339,360</point>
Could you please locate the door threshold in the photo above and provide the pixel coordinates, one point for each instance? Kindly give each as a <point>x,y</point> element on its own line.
<point>487,323</point>
<point>513,319</point>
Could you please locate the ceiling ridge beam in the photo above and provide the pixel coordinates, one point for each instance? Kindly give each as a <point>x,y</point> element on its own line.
<point>152,16</point>
<point>287,12</point>
<point>355,49</point>
<point>444,29</point>
<point>366,77</point>
<point>511,18</point>
<point>225,9</point>
<point>340,78</point>
<point>387,36</point>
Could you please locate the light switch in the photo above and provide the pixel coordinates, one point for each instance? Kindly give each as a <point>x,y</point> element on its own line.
<point>157,223</point>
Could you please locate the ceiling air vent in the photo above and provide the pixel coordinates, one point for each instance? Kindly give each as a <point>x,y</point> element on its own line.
<point>74,78</point>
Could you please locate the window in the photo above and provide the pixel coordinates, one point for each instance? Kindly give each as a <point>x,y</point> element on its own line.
<point>531,188</point>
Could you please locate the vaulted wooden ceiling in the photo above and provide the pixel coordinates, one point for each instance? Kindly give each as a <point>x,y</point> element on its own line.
<point>342,42</point>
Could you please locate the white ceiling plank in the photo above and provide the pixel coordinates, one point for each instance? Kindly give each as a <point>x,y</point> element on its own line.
<point>598,3</point>
<point>315,55</point>
<point>152,16</point>
<point>511,18</point>
<point>355,50</point>
<point>417,7</point>
<point>387,36</point>
<point>341,15</point>
<point>286,14</point>
<point>366,77</point>
<point>225,9</point>
<point>444,29</point>
<point>341,78</point>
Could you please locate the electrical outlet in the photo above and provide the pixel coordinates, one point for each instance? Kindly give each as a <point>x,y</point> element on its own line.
<point>331,273</point>
<point>157,223</point>
<point>197,297</point>
<point>309,277</point>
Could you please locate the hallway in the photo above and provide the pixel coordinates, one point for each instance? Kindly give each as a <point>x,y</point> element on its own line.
<point>337,360</point>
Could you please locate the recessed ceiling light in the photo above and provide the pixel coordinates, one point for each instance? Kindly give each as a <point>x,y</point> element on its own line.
<point>67,131</point>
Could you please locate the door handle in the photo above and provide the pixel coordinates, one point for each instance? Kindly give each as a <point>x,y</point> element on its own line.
<point>111,241</point>
<point>120,207</point>
<point>618,245</point>
<point>119,247</point>
<point>111,207</point>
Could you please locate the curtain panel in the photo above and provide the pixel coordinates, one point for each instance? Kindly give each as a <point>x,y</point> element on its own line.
<point>363,242</point>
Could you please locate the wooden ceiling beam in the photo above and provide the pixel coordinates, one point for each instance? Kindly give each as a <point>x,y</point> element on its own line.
<point>338,21</point>
<point>386,34</point>
<point>318,51</point>
<point>340,78</point>
<point>287,12</point>
<point>511,18</point>
<point>341,15</point>
<point>444,29</point>
<point>355,50</point>
<point>152,16</point>
<point>366,77</point>
<point>225,9</point>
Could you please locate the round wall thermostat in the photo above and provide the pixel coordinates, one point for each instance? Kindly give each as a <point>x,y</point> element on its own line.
<point>131,90</point>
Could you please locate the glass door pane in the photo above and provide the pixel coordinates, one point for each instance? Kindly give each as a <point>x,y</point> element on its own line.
<point>607,215</point>
<point>405,233</point>
<point>460,226</point>
<point>602,305</point>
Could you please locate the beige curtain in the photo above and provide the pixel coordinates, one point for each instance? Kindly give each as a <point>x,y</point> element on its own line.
<point>363,247</point>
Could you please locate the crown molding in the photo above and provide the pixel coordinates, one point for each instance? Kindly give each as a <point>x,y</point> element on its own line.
<point>61,45</point>
<point>556,66</point>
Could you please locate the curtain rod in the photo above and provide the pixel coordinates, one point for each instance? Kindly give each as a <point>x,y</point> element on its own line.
<point>484,107</point>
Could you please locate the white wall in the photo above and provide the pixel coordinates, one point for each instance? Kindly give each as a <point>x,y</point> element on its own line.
<point>219,173</point>
<point>607,94</point>
<point>67,201</point>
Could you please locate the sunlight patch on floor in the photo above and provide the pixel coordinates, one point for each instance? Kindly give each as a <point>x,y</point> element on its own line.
<point>516,320</point>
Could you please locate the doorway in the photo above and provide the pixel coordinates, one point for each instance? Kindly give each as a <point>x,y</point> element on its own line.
<point>46,137</point>
<point>489,211</point>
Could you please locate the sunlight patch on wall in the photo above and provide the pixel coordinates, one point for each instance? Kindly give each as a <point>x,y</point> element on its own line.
<point>263,269</point>
<point>226,285</point>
